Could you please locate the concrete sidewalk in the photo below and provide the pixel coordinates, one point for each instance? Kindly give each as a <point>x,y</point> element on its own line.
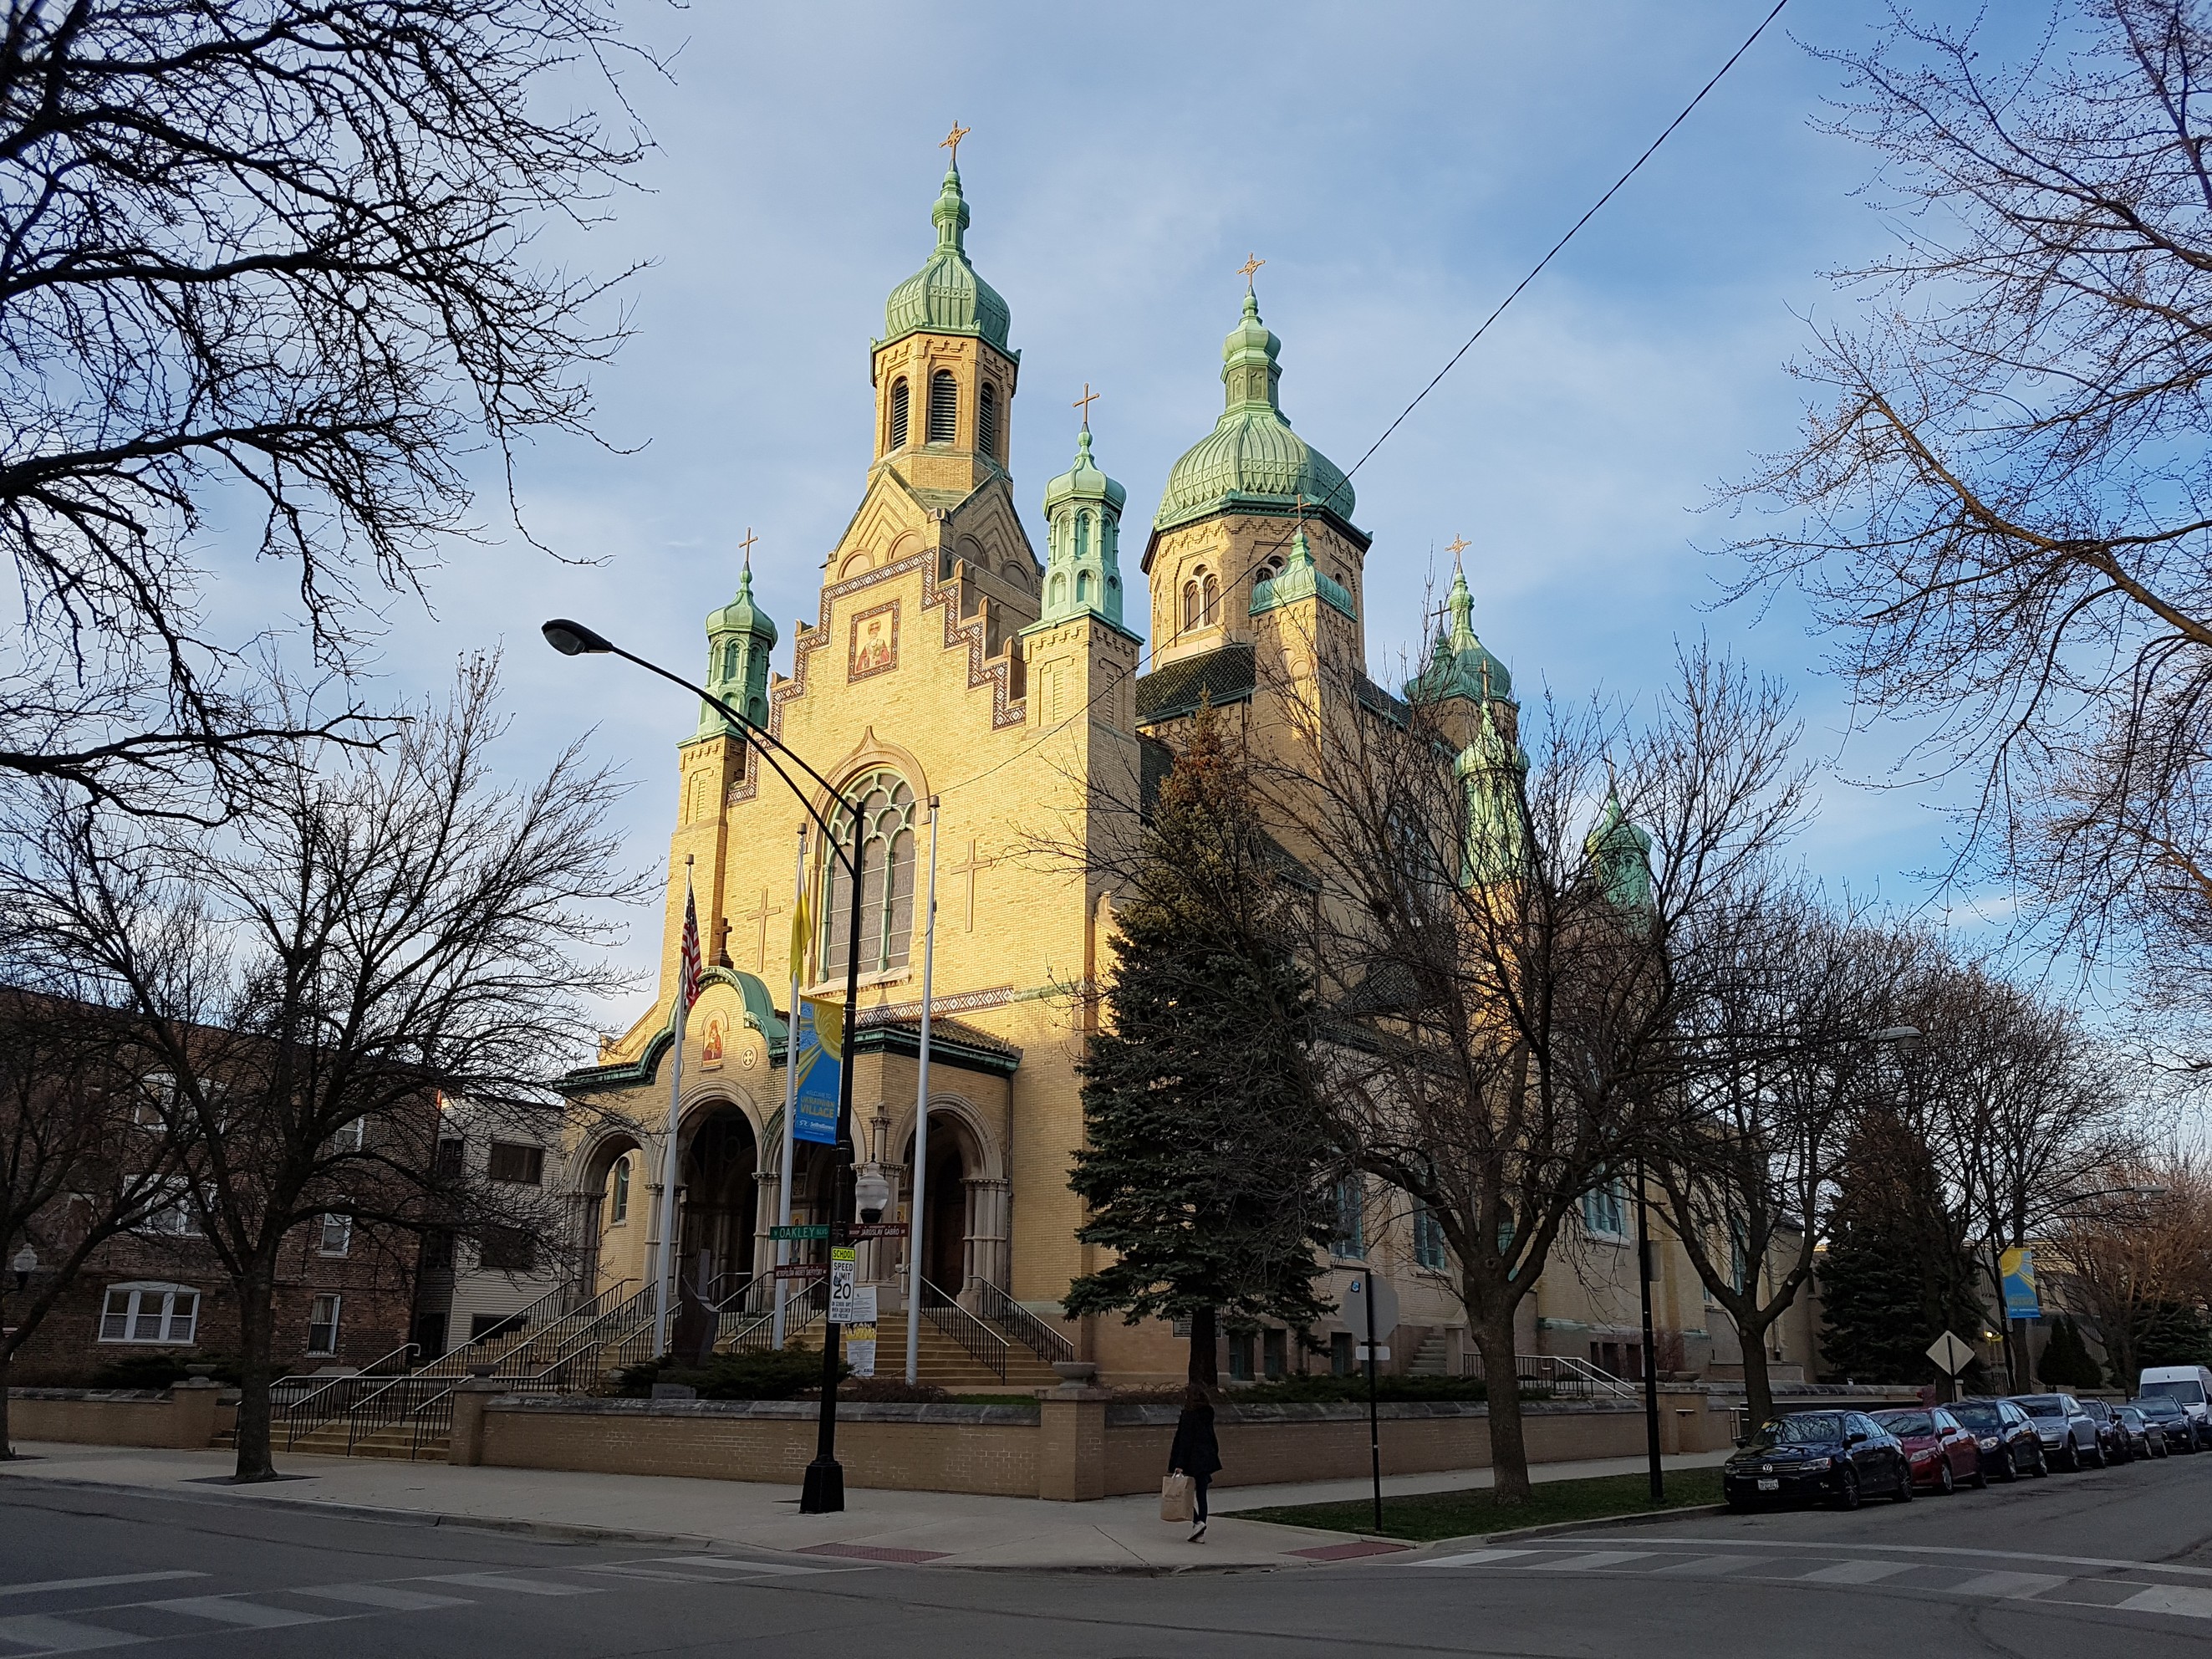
<point>1123,1534</point>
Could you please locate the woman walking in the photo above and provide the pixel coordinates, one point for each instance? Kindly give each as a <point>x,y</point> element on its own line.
<point>1195,1452</point>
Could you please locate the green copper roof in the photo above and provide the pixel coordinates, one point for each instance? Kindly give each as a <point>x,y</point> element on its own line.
<point>1251,459</point>
<point>741,615</point>
<point>946,296</point>
<point>1084,481</point>
<point>1491,769</point>
<point>1083,520</point>
<point>1300,578</point>
<point>1621,855</point>
<point>1460,664</point>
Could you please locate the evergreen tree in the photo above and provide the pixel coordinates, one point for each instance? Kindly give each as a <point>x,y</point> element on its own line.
<point>1206,1158</point>
<point>1897,1272</point>
<point>2067,1362</point>
<point>2172,1333</point>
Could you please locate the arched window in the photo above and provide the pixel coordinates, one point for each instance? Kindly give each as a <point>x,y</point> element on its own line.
<point>900,402</point>
<point>1190,604</point>
<point>1082,535</point>
<point>1082,587</point>
<point>943,407</point>
<point>1210,604</point>
<point>618,1199</point>
<point>987,420</point>
<point>1059,590</point>
<point>729,659</point>
<point>886,802</point>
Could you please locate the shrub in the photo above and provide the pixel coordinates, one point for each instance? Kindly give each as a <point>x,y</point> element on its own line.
<point>766,1375</point>
<point>161,1371</point>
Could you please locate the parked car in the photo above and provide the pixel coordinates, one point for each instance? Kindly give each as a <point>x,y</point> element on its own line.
<point>1834,1456</point>
<point>1942,1451</point>
<point>2113,1438</point>
<point>2068,1435</point>
<point>2145,1437</point>
<point>2006,1435</point>
<point>2188,1387</point>
<point>2165,1412</point>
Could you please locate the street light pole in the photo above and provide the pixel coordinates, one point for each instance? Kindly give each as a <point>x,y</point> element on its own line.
<point>825,1490</point>
<point>1650,1365</point>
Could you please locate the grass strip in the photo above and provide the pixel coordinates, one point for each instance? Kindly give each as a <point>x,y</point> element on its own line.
<point>1424,1517</point>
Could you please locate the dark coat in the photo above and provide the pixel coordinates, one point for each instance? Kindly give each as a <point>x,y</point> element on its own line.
<point>1196,1450</point>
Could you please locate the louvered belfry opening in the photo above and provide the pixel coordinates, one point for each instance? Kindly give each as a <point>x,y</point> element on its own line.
<point>902,408</point>
<point>943,407</point>
<point>986,421</point>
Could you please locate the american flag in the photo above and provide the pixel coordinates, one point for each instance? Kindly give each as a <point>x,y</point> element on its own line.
<point>687,974</point>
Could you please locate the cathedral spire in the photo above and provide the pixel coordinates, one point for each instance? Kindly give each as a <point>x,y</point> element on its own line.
<point>1083,513</point>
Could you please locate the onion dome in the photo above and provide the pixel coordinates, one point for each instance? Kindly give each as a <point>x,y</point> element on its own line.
<point>1300,578</point>
<point>1082,519</point>
<point>739,637</point>
<point>1251,460</point>
<point>1491,770</point>
<point>1460,664</point>
<point>946,296</point>
<point>1620,853</point>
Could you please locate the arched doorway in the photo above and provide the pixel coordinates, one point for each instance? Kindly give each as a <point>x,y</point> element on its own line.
<point>716,1239</point>
<point>946,1257</point>
<point>615,1198</point>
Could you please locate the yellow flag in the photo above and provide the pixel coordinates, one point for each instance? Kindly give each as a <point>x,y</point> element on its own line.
<point>802,930</point>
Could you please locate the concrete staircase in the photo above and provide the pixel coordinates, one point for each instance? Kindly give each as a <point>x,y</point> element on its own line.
<point>1429,1359</point>
<point>942,1363</point>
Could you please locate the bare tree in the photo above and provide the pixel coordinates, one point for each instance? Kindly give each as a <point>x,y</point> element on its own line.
<point>1504,954</point>
<point>280,251</point>
<point>2002,500</point>
<point>318,977</point>
<point>2134,1247</point>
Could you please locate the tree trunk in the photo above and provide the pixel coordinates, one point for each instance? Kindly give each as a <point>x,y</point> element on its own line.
<point>1758,1390</point>
<point>7,1447</point>
<point>257,1320</point>
<point>1205,1360</point>
<point>1508,1451</point>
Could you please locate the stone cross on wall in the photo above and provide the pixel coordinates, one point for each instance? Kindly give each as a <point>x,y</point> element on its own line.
<point>761,915</point>
<point>968,870</point>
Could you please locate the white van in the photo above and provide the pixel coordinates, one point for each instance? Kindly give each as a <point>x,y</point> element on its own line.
<point>2188,1387</point>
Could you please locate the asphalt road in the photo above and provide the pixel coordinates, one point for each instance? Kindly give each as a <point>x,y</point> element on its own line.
<point>2088,1565</point>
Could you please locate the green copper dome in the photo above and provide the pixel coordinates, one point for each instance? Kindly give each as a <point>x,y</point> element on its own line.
<point>1084,481</point>
<point>946,296</point>
<point>1460,664</point>
<point>1491,770</point>
<point>741,615</point>
<point>1620,853</point>
<point>1251,459</point>
<point>1300,578</point>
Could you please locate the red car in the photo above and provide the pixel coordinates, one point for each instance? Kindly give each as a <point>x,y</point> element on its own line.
<point>1942,1452</point>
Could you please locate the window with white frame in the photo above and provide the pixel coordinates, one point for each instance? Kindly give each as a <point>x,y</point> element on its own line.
<point>349,1137</point>
<point>175,1214</point>
<point>323,1326</point>
<point>338,1234</point>
<point>149,1313</point>
<point>1605,1210</point>
<point>157,1095</point>
<point>1429,1251</point>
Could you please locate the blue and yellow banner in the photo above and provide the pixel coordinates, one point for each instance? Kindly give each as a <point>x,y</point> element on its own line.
<point>821,1041</point>
<point>2017,1268</point>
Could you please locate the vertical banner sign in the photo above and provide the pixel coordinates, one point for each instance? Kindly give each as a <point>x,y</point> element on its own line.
<point>821,1038</point>
<point>861,1333</point>
<point>844,1280</point>
<point>2018,1270</point>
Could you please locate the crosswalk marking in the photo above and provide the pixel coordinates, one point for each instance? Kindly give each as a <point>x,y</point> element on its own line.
<point>2009,1586</point>
<point>1711,1566</point>
<point>43,1635</point>
<point>383,1596</point>
<point>229,1610</point>
<point>498,1581</point>
<point>735,1564</point>
<point>1857,1573</point>
<point>96,1583</point>
<point>2180,1599</point>
<point>627,1570</point>
<point>1592,1561</point>
<point>1473,1559</point>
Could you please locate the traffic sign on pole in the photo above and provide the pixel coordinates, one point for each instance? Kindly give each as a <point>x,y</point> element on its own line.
<point>1950,1354</point>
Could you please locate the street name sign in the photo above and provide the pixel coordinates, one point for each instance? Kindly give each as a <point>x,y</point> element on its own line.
<point>810,1230</point>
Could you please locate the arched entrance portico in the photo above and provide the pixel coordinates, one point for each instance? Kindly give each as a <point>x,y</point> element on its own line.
<point>614,1197</point>
<point>714,1237</point>
<point>963,1233</point>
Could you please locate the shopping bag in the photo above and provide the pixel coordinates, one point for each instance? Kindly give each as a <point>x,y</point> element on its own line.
<point>1174,1497</point>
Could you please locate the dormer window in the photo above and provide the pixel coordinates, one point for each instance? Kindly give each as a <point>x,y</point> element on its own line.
<point>986,421</point>
<point>943,407</point>
<point>902,401</point>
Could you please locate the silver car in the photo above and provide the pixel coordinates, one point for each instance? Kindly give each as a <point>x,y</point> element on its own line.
<point>2069,1433</point>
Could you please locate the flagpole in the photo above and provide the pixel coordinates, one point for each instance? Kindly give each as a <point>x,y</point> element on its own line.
<point>798,930</point>
<point>664,1252</point>
<point>919,1183</point>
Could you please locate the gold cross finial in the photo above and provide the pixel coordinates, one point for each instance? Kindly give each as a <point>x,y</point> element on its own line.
<point>1459,545</point>
<point>951,141</point>
<point>1252,263</point>
<point>1083,404</point>
<point>748,545</point>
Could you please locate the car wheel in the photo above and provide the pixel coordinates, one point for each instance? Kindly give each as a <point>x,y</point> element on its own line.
<point>1981,1481</point>
<point>1946,1482</point>
<point>1847,1489</point>
<point>2042,1470</point>
<point>2072,1463</point>
<point>1904,1492</point>
<point>2097,1456</point>
<point>2010,1471</point>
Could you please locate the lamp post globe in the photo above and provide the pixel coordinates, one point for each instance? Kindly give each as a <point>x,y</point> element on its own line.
<point>25,1264</point>
<point>872,1195</point>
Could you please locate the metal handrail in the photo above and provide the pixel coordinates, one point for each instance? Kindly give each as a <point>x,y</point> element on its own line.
<point>335,1396</point>
<point>802,1309</point>
<point>1048,1344</point>
<point>984,1346</point>
<point>1562,1375</point>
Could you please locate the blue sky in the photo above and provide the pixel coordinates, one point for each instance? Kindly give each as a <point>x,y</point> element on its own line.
<point>1398,166</point>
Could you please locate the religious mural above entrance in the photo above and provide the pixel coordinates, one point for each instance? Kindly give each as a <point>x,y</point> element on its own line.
<point>874,645</point>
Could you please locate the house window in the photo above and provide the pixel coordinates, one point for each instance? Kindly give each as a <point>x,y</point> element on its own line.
<point>1429,1240</point>
<point>508,1250</point>
<point>338,1234</point>
<point>618,1203</point>
<point>323,1326</point>
<point>1275,1352</point>
<point>1605,1210</point>
<point>987,420</point>
<point>1241,1345</point>
<point>177,1215</point>
<point>900,401</point>
<point>1350,1238</point>
<point>447,1165</point>
<point>943,407</point>
<point>157,1098</point>
<point>349,1138</point>
<point>1341,1360</point>
<point>523,1166</point>
<point>149,1313</point>
<point>886,802</point>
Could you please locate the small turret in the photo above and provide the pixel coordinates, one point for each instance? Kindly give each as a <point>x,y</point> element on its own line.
<point>1300,578</point>
<point>1460,664</point>
<point>1492,769</point>
<point>739,637</point>
<point>1620,853</point>
<point>1083,570</point>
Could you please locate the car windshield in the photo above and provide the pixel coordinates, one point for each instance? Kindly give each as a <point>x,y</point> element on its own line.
<point>2040,1405</point>
<point>1977,1417</point>
<point>1904,1423</point>
<point>2180,1391</point>
<point>2130,1416</point>
<point>1805,1429</point>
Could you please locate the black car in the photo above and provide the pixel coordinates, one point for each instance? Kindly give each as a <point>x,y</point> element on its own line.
<point>2010,1446</point>
<point>1834,1457</point>
<point>2145,1437</point>
<point>2114,1444</point>
<point>2181,1433</point>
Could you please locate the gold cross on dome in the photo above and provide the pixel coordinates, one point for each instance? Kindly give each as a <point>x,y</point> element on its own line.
<point>1459,545</point>
<point>1083,404</point>
<point>748,544</point>
<point>1251,264</point>
<point>951,141</point>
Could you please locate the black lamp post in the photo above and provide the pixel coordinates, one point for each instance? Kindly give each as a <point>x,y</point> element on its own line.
<point>824,1492</point>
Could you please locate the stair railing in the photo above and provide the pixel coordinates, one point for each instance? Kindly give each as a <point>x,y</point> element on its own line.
<point>332,1397</point>
<point>1559,1375</point>
<point>983,1345</point>
<point>802,1309</point>
<point>1041,1338</point>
